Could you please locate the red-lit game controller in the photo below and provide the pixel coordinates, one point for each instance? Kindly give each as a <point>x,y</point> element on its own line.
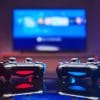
<point>23,78</point>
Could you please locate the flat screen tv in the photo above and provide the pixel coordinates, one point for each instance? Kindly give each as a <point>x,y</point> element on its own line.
<point>49,30</point>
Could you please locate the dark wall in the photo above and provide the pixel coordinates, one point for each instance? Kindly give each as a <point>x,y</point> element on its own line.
<point>93,15</point>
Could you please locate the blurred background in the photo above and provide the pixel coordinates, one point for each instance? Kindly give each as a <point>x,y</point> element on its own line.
<point>49,30</point>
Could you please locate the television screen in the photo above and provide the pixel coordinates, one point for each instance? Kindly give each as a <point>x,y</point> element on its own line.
<point>49,29</point>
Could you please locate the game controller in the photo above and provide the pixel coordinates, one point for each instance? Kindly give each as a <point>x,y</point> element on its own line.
<point>79,79</point>
<point>21,77</point>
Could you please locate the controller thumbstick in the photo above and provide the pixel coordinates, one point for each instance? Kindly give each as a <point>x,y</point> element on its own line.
<point>91,60</point>
<point>75,60</point>
<point>12,60</point>
<point>28,60</point>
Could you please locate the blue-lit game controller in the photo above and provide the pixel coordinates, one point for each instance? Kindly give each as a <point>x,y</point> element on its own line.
<point>79,79</point>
